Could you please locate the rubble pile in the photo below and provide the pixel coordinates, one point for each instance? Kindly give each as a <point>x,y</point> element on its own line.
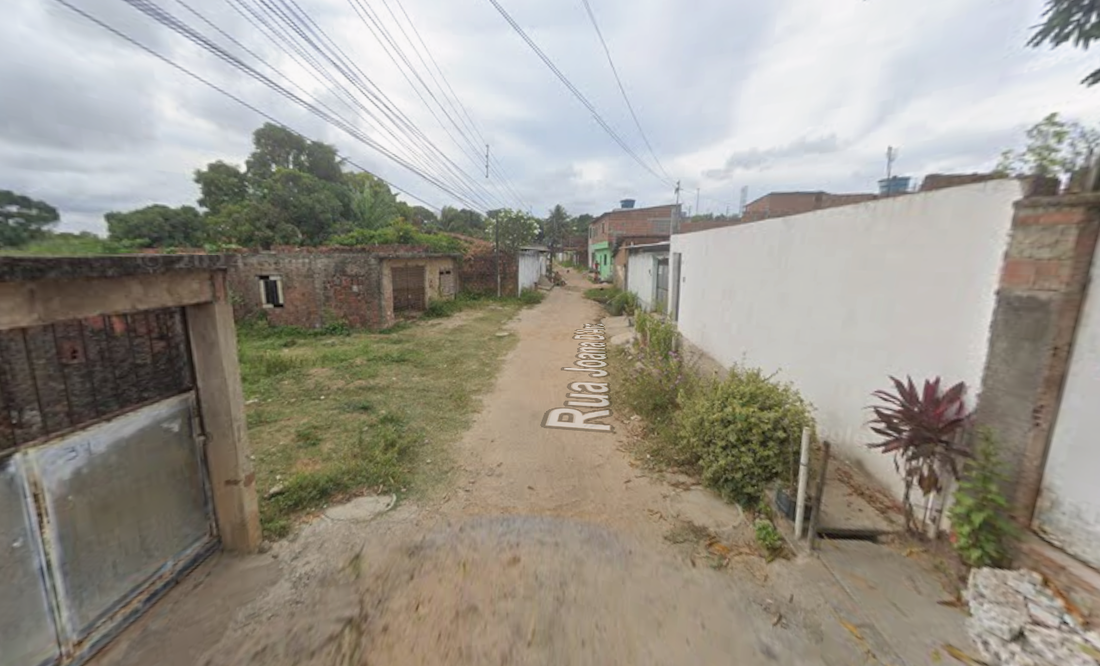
<point>1016,620</point>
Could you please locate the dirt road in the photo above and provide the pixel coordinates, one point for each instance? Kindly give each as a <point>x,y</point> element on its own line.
<point>548,548</point>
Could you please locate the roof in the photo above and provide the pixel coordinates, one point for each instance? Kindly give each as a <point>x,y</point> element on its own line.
<point>649,246</point>
<point>631,210</point>
<point>536,248</point>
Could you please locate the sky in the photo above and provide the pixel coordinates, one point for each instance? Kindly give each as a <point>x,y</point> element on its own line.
<point>770,96</point>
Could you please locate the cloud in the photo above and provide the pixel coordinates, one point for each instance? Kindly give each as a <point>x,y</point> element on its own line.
<point>791,94</point>
<point>756,159</point>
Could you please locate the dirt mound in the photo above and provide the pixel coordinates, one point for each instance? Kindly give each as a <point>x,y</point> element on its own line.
<point>519,590</point>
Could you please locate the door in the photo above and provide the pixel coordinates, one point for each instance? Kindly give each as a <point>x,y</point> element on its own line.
<point>103,492</point>
<point>661,302</point>
<point>408,288</point>
<point>1068,511</point>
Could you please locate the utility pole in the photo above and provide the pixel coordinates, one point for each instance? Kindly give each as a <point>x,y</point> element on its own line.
<point>677,191</point>
<point>496,231</point>
<point>744,200</point>
<point>891,155</point>
<point>697,200</point>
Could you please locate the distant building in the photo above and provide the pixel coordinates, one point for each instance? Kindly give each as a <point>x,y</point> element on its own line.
<point>782,204</point>
<point>627,226</point>
<point>894,185</point>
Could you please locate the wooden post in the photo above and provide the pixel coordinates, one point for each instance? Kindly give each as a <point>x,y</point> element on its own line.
<point>221,402</point>
<point>819,492</point>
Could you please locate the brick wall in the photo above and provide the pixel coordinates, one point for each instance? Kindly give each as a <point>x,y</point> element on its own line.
<point>782,204</point>
<point>655,221</point>
<point>317,288</point>
<point>1042,289</point>
<point>478,274</point>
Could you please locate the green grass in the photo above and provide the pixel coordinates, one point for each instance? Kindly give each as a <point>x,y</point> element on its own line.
<point>334,415</point>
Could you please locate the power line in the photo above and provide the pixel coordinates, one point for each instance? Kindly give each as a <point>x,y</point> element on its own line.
<point>576,93</point>
<point>615,71</point>
<point>253,108</point>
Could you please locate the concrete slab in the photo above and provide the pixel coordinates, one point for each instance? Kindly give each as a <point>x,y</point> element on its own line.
<point>622,339</point>
<point>705,509</point>
<point>616,322</point>
<point>844,506</point>
<point>898,599</point>
<point>362,509</point>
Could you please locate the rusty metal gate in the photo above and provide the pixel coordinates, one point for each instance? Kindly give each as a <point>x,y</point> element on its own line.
<point>103,492</point>
<point>408,288</point>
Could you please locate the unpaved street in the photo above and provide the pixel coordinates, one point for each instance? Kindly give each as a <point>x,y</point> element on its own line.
<point>547,548</point>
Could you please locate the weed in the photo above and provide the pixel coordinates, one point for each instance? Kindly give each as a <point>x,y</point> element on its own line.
<point>531,297</point>
<point>358,406</point>
<point>600,294</point>
<point>768,538</point>
<point>307,435</point>
<point>981,528</point>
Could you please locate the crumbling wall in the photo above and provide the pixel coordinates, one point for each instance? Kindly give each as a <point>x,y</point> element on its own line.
<point>1017,620</point>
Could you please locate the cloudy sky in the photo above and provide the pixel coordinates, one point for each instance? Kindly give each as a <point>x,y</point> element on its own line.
<point>777,95</point>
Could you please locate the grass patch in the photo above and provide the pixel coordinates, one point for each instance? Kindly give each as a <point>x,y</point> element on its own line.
<point>336,414</point>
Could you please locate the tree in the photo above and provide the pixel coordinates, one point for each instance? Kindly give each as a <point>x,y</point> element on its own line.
<point>220,184</point>
<point>157,226</point>
<point>554,230</point>
<point>312,206</point>
<point>373,203</point>
<point>275,148</point>
<point>251,225</point>
<point>1070,20</point>
<point>516,228</point>
<point>23,219</point>
<point>1055,147</point>
<point>580,224</point>
<point>465,221</point>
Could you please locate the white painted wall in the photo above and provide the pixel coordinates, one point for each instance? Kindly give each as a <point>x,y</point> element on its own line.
<point>1068,511</point>
<point>532,266</point>
<point>641,276</point>
<point>839,299</point>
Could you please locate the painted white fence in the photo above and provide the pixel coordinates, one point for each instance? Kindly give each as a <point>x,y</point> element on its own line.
<point>840,299</point>
<point>532,266</point>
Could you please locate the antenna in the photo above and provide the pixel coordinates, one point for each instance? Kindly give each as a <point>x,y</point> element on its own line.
<point>891,155</point>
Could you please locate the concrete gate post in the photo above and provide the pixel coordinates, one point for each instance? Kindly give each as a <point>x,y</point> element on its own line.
<point>221,400</point>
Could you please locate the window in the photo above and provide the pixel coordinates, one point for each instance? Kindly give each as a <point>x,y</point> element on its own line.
<point>271,291</point>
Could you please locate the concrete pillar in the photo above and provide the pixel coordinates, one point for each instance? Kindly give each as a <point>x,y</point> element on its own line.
<point>1043,282</point>
<point>221,400</point>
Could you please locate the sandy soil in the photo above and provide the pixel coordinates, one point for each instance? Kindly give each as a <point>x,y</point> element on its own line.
<point>548,548</point>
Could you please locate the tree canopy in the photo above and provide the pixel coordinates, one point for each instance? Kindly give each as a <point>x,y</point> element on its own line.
<point>1076,21</point>
<point>516,228</point>
<point>23,219</point>
<point>157,226</point>
<point>1055,147</point>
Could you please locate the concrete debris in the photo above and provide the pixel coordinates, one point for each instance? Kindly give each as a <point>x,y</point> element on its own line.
<point>1015,620</point>
<point>276,490</point>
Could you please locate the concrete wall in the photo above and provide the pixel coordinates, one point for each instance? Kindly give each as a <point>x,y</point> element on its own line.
<point>641,277</point>
<point>839,299</point>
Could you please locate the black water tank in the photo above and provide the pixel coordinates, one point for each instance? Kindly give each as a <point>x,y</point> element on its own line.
<point>626,203</point>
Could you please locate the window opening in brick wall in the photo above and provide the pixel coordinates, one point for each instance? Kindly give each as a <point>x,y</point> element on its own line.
<point>271,291</point>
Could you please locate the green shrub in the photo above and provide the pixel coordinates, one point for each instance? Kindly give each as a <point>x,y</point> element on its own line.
<point>656,335</point>
<point>622,303</point>
<point>980,524</point>
<point>744,432</point>
<point>531,297</point>
<point>768,538</point>
<point>440,308</point>
<point>600,294</point>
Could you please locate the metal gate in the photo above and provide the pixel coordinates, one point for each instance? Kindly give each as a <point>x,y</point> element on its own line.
<point>103,492</point>
<point>661,303</point>
<point>408,288</point>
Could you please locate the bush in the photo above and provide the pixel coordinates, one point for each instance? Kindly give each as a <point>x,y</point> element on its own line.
<point>622,303</point>
<point>979,518</point>
<point>531,297</point>
<point>655,335</point>
<point>768,538</point>
<point>600,294</point>
<point>744,432</point>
